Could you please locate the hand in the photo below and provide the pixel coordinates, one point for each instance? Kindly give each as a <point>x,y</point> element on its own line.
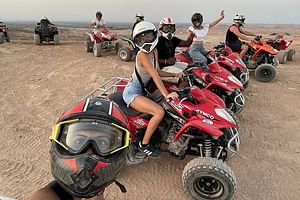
<point>171,61</point>
<point>172,95</point>
<point>222,14</point>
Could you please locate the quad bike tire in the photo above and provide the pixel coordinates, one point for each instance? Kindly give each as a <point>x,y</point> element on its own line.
<point>88,44</point>
<point>97,49</point>
<point>125,54</point>
<point>37,39</point>
<point>282,56</point>
<point>208,178</point>
<point>2,38</point>
<point>265,72</point>
<point>291,55</point>
<point>56,39</point>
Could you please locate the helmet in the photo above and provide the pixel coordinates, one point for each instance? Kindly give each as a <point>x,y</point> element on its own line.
<point>44,18</point>
<point>99,14</point>
<point>197,19</point>
<point>240,19</point>
<point>88,147</point>
<point>167,27</point>
<point>145,36</point>
<point>139,17</point>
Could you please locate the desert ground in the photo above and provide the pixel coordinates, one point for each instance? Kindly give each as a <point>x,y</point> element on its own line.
<point>39,82</point>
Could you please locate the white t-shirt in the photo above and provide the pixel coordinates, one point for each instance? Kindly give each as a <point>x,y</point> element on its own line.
<point>98,22</point>
<point>200,34</point>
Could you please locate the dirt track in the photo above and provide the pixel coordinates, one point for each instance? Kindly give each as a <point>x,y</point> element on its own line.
<point>38,82</point>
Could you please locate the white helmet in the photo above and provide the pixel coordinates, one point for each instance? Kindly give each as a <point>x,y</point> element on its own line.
<point>145,36</point>
<point>167,27</point>
<point>240,19</point>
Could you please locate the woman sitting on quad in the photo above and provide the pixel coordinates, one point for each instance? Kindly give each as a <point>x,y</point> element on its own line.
<point>146,74</point>
<point>236,33</point>
<point>197,51</point>
<point>86,152</point>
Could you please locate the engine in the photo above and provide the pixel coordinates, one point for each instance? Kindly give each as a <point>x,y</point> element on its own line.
<point>178,147</point>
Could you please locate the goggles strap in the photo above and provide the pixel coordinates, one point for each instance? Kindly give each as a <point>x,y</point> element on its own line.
<point>121,186</point>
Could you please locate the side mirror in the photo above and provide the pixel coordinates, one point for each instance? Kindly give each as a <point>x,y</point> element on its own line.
<point>38,23</point>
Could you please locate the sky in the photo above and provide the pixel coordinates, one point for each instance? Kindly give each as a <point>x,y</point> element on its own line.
<point>268,12</point>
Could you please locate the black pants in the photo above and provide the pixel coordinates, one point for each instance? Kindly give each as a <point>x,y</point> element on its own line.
<point>235,46</point>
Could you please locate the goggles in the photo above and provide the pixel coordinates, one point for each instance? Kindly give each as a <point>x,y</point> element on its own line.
<point>147,37</point>
<point>76,136</point>
<point>168,28</point>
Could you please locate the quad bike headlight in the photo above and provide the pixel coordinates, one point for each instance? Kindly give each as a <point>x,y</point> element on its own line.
<point>235,80</point>
<point>221,112</point>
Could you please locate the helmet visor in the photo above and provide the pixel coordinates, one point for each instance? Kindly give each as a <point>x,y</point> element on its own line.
<point>168,28</point>
<point>104,138</point>
<point>147,37</point>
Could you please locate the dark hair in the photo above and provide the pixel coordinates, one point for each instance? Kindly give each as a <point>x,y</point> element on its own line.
<point>99,14</point>
<point>197,17</point>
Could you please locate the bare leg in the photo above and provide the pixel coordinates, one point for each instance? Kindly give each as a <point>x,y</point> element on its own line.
<point>244,49</point>
<point>145,105</point>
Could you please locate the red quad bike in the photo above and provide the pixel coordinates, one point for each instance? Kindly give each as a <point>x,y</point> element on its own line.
<point>279,43</point>
<point>192,125</point>
<point>261,58</point>
<point>98,42</point>
<point>3,33</point>
<point>127,53</point>
<point>216,79</point>
<point>231,61</point>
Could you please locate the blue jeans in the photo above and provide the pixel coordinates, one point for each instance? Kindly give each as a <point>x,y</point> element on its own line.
<point>198,53</point>
<point>132,90</point>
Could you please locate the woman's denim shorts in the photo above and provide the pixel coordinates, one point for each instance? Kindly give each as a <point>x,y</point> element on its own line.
<point>132,90</point>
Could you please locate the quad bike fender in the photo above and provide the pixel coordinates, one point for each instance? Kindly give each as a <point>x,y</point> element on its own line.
<point>129,40</point>
<point>91,36</point>
<point>214,98</point>
<point>218,84</point>
<point>201,124</point>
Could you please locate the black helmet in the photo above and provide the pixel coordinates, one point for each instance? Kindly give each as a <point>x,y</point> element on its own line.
<point>88,148</point>
<point>197,19</point>
<point>99,14</point>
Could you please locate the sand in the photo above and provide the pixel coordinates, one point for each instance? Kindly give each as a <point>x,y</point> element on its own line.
<point>39,82</point>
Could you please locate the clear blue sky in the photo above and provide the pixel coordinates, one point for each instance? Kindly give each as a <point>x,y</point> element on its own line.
<point>275,11</point>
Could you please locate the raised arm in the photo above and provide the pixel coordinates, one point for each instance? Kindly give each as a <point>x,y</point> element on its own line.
<point>217,20</point>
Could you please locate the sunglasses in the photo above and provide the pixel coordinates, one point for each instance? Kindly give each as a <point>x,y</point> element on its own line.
<point>168,28</point>
<point>147,37</point>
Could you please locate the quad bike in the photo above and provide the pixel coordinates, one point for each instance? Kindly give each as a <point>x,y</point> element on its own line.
<point>45,32</point>
<point>126,53</point>
<point>99,41</point>
<point>261,58</point>
<point>216,79</point>
<point>192,125</point>
<point>279,43</point>
<point>231,61</point>
<point>3,33</point>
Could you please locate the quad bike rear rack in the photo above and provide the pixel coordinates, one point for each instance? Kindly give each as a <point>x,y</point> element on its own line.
<point>108,87</point>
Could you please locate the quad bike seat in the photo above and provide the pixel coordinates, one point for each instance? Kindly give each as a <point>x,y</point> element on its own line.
<point>117,97</point>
